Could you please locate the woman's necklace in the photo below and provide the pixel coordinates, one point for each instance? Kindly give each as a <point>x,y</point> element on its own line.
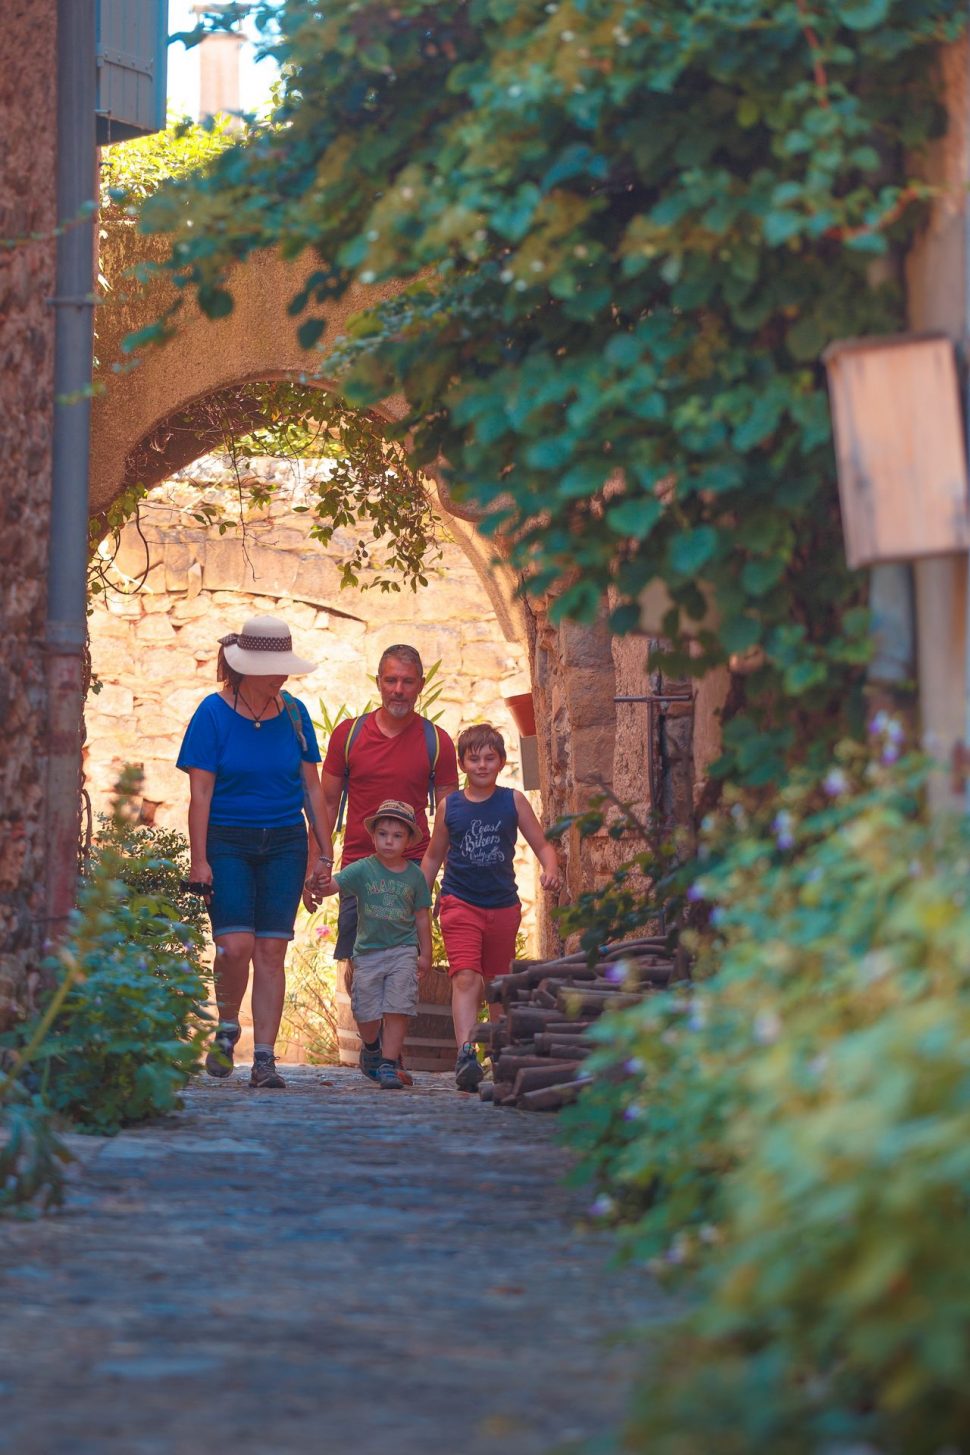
<point>257,717</point>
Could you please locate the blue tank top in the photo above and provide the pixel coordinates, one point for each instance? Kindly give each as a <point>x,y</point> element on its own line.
<point>481,848</point>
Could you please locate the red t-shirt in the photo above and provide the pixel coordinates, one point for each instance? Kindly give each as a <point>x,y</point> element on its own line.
<point>382,767</point>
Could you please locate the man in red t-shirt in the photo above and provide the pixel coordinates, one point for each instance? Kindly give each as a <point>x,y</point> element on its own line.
<point>388,759</point>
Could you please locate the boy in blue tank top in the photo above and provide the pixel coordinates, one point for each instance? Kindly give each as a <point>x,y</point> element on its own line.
<point>480,912</point>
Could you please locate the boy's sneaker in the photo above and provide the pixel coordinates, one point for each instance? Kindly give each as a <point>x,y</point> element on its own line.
<point>468,1071</point>
<point>370,1060</point>
<point>218,1061</point>
<point>264,1072</point>
<point>387,1077</point>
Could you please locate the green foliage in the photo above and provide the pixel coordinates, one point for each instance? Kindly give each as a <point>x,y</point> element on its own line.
<point>32,1156</point>
<point>796,1125</point>
<point>128,1027</point>
<point>152,863</point>
<point>369,482</point>
<point>132,172</point>
<point>625,233</point>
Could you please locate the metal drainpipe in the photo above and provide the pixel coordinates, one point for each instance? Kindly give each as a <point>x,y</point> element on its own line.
<point>965,352</point>
<point>73,353</point>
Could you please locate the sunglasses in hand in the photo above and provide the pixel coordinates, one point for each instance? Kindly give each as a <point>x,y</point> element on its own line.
<point>195,886</point>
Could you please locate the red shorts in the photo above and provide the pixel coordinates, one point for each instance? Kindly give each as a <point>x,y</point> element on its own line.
<point>479,939</point>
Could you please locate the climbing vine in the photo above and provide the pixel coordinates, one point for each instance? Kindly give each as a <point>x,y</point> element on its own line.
<point>625,233</point>
<point>369,483</point>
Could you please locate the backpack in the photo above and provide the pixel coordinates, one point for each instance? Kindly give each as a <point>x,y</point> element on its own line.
<point>296,722</point>
<point>432,742</point>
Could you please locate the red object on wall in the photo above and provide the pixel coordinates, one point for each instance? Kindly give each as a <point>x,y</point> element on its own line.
<point>523,712</point>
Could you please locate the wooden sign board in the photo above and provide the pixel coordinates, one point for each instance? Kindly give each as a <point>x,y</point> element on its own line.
<point>900,447</point>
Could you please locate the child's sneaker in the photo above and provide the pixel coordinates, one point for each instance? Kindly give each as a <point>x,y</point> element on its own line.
<point>468,1072</point>
<point>218,1061</point>
<point>370,1060</point>
<point>264,1072</point>
<point>403,1073</point>
<point>387,1077</point>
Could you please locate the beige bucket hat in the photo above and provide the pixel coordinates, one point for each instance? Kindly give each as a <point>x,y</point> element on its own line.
<point>264,648</point>
<point>394,808</point>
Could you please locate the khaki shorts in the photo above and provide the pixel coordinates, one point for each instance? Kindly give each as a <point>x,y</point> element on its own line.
<point>385,983</point>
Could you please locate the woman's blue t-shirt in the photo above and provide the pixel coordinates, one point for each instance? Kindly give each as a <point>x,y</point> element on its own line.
<point>259,780</point>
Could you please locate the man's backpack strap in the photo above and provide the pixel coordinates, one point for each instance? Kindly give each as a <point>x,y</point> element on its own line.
<point>432,741</point>
<point>352,736</point>
<point>296,723</point>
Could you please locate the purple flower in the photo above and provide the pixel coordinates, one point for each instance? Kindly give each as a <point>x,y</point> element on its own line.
<point>718,916</point>
<point>601,1206</point>
<point>697,1019</point>
<point>782,829</point>
<point>632,1112</point>
<point>835,782</point>
<point>695,893</point>
<point>890,753</point>
<point>634,1066</point>
<point>616,973</point>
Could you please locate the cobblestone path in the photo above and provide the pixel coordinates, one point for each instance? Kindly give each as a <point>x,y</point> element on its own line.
<point>327,1269</point>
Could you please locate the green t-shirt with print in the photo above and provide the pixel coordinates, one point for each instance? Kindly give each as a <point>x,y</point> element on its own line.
<point>386,902</point>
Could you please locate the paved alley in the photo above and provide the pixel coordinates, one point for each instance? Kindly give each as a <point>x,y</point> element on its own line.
<point>331,1268</point>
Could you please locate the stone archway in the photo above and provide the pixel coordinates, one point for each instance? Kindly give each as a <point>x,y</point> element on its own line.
<point>571,668</point>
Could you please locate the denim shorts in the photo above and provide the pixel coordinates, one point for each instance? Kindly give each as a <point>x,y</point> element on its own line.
<point>257,879</point>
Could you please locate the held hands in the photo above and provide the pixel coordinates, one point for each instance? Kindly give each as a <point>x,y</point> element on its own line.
<point>318,884</point>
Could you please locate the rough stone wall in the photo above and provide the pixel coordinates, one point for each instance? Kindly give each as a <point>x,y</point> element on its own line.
<point>27,206</point>
<point>574,686</point>
<point>154,650</point>
<point>591,745</point>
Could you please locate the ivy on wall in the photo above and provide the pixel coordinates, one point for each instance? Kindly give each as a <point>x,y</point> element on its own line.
<point>625,232</point>
<point>370,481</point>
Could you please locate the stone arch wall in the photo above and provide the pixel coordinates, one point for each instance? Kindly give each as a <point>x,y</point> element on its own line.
<point>154,648</point>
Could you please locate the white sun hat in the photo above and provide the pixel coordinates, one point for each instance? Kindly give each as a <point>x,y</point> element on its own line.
<point>264,648</point>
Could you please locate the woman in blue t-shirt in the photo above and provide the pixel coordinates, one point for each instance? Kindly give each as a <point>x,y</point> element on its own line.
<point>251,755</point>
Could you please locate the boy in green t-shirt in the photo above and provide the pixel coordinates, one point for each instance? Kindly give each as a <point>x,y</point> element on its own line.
<point>393,939</point>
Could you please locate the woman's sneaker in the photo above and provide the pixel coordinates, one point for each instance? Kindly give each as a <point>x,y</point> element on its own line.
<point>468,1071</point>
<point>264,1072</point>
<point>218,1061</point>
<point>388,1078</point>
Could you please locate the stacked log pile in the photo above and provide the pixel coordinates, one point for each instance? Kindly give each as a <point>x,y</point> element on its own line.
<point>537,1048</point>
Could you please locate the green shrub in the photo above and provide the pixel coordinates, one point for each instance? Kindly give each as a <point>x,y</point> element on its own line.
<point>153,863</point>
<point>127,1032</point>
<point>797,1126</point>
<point>32,1157</point>
<point>310,1009</point>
